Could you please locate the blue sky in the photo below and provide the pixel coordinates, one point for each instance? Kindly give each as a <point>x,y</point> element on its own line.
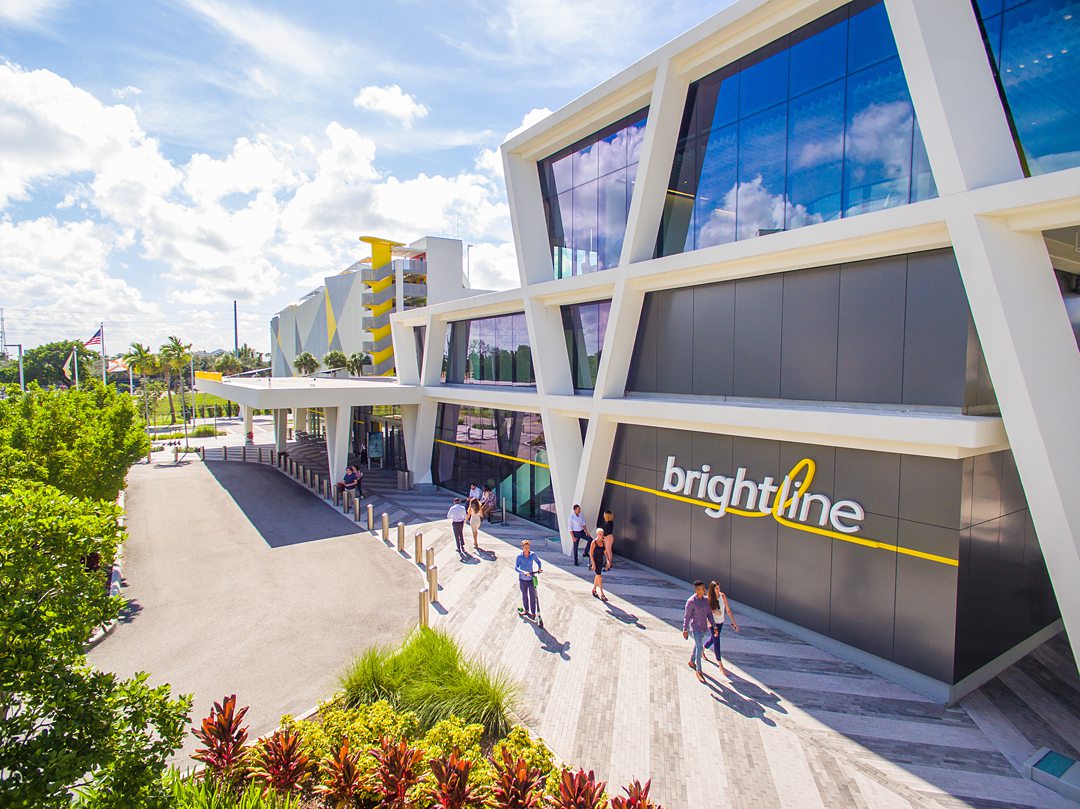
<point>159,159</point>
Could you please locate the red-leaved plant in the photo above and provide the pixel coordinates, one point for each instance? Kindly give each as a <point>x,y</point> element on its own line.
<point>452,789</point>
<point>579,790</point>
<point>224,739</point>
<point>637,797</point>
<point>396,772</point>
<point>516,783</point>
<point>279,761</point>
<point>342,778</point>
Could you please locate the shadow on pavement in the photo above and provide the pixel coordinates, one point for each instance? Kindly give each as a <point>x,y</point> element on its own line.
<point>283,512</point>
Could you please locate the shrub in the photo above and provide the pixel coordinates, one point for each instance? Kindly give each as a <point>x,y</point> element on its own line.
<point>279,761</point>
<point>205,431</point>
<point>637,797</point>
<point>579,790</point>
<point>224,739</point>
<point>369,679</point>
<point>396,772</point>
<point>363,727</point>
<point>452,789</point>
<point>517,783</point>
<point>342,777</point>
<point>209,794</point>
<point>520,745</point>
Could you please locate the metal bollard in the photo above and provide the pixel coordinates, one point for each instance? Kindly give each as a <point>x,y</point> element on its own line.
<point>433,583</point>
<point>356,509</point>
<point>370,517</point>
<point>224,453</point>
<point>202,454</point>
<point>150,456</point>
<point>430,557</point>
<point>418,549</point>
<point>260,454</point>
<point>346,501</point>
<point>423,609</point>
<point>243,454</point>
<point>176,454</point>
<point>339,495</point>
<point>401,537</point>
<point>386,528</point>
<point>504,511</point>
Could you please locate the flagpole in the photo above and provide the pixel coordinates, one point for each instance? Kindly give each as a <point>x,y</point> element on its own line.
<point>104,377</point>
<point>76,352</point>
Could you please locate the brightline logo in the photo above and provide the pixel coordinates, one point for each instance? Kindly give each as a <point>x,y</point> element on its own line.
<point>792,502</point>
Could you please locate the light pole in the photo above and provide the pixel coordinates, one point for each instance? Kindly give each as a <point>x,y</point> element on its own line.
<point>22,379</point>
<point>468,262</point>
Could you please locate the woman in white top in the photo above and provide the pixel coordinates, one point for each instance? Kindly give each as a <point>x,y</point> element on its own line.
<point>476,519</point>
<point>718,603</point>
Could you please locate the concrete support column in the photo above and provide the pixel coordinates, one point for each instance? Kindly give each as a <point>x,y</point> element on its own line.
<point>563,437</point>
<point>338,427</point>
<point>593,468</point>
<point>248,414</point>
<point>418,422</point>
<point>299,420</point>
<point>434,345</point>
<point>552,369</point>
<point>281,430</point>
<point>1033,360</point>
<point>619,340</point>
<point>528,220</point>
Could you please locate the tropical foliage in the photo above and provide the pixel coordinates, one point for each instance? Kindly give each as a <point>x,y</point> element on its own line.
<point>44,364</point>
<point>334,359</point>
<point>175,356</point>
<point>305,363</point>
<point>356,362</point>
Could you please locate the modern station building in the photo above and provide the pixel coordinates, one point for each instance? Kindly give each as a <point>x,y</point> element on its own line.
<point>799,303</point>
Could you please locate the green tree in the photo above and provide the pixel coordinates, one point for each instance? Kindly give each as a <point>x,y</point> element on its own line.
<point>356,362</point>
<point>175,356</point>
<point>249,358</point>
<point>63,724</point>
<point>334,359</point>
<point>228,364</point>
<point>82,442</point>
<point>305,363</point>
<point>44,364</point>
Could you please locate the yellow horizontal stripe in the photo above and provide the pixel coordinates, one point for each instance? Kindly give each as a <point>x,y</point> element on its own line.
<point>489,452</point>
<point>812,529</point>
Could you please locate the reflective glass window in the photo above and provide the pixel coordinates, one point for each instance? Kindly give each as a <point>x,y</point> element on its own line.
<point>489,351</point>
<point>1034,47</point>
<point>585,325</point>
<point>587,190</point>
<point>814,126</point>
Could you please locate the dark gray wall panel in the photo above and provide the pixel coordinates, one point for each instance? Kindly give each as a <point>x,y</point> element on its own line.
<point>936,331</point>
<point>714,338</point>
<point>824,459</point>
<point>871,479</point>
<point>981,600</point>
<point>808,334</point>
<point>870,352</point>
<point>642,376</point>
<point>758,317</point>
<point>862,598</point>
<point>934,539</point>
<point>930,490</point>
<point>753,561</point>
<point>672,543</point>
<point>1040,593</point>
<point>679,443</point>
<point>712,449</point>
<point>803,576</point>
<point>967,488</point>
<point>710,548</point>
<point>638,446</point>
<point>637,523</point>
<point>675,334</point>
<point>925,626</point>
<point>986,488</point>
<point>1012,490</point>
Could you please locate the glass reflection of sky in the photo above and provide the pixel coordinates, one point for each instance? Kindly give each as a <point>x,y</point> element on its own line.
<point>489,351</point>
<point>1035,47</point>
<point>585,325</point>
<point>815,126</point>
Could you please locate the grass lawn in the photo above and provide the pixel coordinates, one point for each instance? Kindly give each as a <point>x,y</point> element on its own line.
<point>201,399</point>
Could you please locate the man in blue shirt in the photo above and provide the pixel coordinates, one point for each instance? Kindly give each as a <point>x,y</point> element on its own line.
<point>527,565</point>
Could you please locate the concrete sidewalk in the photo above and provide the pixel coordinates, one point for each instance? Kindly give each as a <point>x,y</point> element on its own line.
<point>239,580</point>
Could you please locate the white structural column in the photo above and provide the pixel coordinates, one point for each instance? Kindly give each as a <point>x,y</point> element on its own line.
<point>654,169</point>
<point>1029,346</point>
<point>338,426</point>
<point>299,420</point>
<point>1032,357</point>
<point>418,422</point>
<point>527,218</point>
<point>248,414</point>
<point>281,430</point>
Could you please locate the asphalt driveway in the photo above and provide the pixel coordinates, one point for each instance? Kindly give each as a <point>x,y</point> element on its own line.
<point>239,580</point>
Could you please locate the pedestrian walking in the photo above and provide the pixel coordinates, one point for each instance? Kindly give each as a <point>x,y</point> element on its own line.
<point>607,522</point>
<point>476,519</point>
<point>718,605</point>
<point>527,566</point>
<point>579,532</point>
<point>596,562</point>
<point>457,516</point>
<point>698,621</point>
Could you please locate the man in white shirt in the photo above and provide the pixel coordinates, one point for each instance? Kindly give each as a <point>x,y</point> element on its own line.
<point>474,491</point>
<point>457,516</point>
<point>579,531</point>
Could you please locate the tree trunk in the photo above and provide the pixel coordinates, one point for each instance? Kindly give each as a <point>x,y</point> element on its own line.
<point>168,389</point>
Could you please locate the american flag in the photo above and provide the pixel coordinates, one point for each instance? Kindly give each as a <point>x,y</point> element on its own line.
<point>95,340</point>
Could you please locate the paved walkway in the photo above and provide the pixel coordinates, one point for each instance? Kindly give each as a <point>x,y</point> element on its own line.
<point>608,688</point>
<point>239,580</point>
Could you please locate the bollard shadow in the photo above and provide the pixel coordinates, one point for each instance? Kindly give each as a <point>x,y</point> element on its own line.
<point>282,511</point>
<point>439,608</point>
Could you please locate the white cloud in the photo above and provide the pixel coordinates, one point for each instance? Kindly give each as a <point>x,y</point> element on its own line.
<point>130,91</point>
<point>28,13</point>
<point>390,100</point>
<point>490,160</point>
<point>493,266</point>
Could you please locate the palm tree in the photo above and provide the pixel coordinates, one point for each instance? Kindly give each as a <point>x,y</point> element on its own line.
<point>175,356</point>
<point>228,365</point>
<point>356,362</point>
<point>335,359</point>
<point>144,362</point>
<point>305,363</point>
<point>250,359</point>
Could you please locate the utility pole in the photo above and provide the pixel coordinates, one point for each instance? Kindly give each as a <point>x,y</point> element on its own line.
<point>235,332</point>
<point>3,336</point>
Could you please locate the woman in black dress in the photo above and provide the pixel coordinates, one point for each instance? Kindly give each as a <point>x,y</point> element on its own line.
<point>596,562</point>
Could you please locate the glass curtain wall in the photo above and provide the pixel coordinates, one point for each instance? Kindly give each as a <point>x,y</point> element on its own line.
<point>585,325</point>
<point>500,449</point>
<point>489,351</point>
<point>815,126</point>
<point>1034,48</point>
<point>587,189</point>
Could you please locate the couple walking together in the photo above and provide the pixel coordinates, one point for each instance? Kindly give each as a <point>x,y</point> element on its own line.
<point>703,618</point>
<point>458,515</point>
<point>599,550</point>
